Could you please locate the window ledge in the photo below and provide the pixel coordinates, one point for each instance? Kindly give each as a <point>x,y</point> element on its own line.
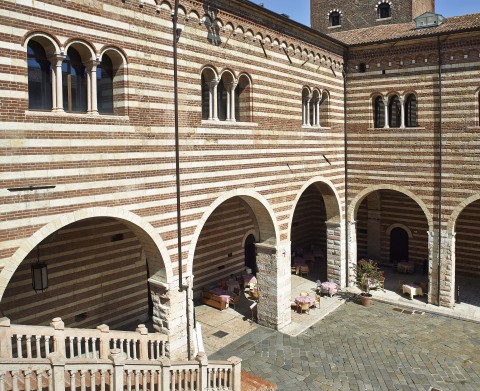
<point>40,113</point>
<point>381,19</point>
<point>316,127</point>
<point>412,128</point>
<point>335,27</point>
<point>217,123</point>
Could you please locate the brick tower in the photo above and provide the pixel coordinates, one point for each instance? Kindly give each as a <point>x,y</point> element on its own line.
<point>330,16</point>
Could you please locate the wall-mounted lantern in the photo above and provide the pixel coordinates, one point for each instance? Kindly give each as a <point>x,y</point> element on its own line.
<point>39,274</point>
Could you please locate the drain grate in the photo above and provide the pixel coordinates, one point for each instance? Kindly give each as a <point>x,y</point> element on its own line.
<point>220,334</point>
<point>409,312</point>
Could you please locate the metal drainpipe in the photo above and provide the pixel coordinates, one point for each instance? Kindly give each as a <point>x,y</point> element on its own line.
<point>345,150</point>
<point>181,286</point>
<point>440,152</point>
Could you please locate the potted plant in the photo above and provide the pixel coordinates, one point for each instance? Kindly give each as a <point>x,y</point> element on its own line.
<point>367,274</point>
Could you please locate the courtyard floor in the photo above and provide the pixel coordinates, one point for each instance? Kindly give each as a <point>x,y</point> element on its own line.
<point>359,348</point>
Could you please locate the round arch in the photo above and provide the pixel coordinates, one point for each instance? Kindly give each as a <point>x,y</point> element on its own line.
<point>267,222</point>
<point>157,255</point>
<point>402,226</point>
<point>331,199</point>
<point>355,203</point>
<point>452,221</point>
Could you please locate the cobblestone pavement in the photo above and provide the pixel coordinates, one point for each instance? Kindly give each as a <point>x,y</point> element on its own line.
<point>359,348</point>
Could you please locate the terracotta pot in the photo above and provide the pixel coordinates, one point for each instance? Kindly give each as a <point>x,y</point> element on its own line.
<point>366,299</point>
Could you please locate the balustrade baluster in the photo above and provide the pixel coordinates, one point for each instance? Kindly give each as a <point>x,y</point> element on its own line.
<point>93,375</point>
<point>127,348</point>
<point>70,340</point>
<point>172,380</point>
<point>159,380</point>
<point>129,380</point>
<point>47,345</point>
<point>94,347</point>
<point>72,380</point>
<point>19,346</point>
<point>79,346</point>
<point>151,351</point>
<point>14,380</point>
<point>83,385</point>
<point>137,380</point>
<point>102,380</point>
<point>29,345</point>
<point>38,347</point>
<point>2,381</point>
<point>144,380</point>
<point>50,379</point>
<point>152,380</point>
<point>27,373</point>
<point>39,374</point>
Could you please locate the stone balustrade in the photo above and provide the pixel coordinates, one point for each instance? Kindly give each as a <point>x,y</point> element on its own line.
<point>54,358</point>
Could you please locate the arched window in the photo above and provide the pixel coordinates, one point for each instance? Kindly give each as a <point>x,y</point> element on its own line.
<point>222,100</point>
<point>74,82</point>
<point>323,109</point>
<point>105,86</point>
<point>411,111</point>
<point>243,99</point>
<point>39,77</point>
<point>378,112</point>
<point>334,19</point>
<point>306,98</point>
<point>384,11</point>
<point>209,97</point>
<point>394,112</point>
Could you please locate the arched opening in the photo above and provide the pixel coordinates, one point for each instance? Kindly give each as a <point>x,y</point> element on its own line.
<point>398,245</point>
<point>334,19</point>
<point>250,254</point>
<point>224,97</point>
<point>105,85</point>
<point>411,111</point>
<point>243,99</point>
<point>315,220</point>
<point>466,263</point>
<point>394,112</point>
<point>74,80</point>
<point>209,84</point>
<point>378,112</point>
<point>384,11</point>
<point>39,77</point>
<point>323,109</point>
<point>306,97</point>
<point>97,274</point>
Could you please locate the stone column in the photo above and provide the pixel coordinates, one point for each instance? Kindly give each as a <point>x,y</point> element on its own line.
<point>317,112</point>
<point>447,269</point>
<point>374,234</point>
<point>274,285</point>
<point>352,251</point>
<point>92,87</point>
<point>307,118</point>
<point>57,83</point>
<point>336,268</point>
<point>213,111</point>
<point>385,105</point>
<point>232,101</point>
<point>169,316</point>
<point>402,112</point>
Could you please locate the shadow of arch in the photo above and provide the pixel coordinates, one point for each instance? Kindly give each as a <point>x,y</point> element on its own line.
<point>266,224</point>
<point>158,259</point>
<point>452,221</point>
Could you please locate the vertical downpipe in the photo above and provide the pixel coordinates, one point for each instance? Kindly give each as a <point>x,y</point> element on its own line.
<point>440,152</point>
<point>345,162</point>
<point>176,36</point>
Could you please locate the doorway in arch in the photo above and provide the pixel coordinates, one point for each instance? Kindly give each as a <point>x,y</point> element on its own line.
<point>250,254</point>
<point>398,245</point>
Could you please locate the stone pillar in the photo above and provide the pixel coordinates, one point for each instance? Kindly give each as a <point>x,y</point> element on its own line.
<point>274,285</point>
<point>169,316</point>
<point>317,112</point>
<point>385,105</point>
<point>374,234</point>
<point>447,269</point>
<point>57,83</point>
<point>92,106</point>
<point>307,116</point>
<point>352,251</point>
<point>336,268</point>
<point>402,112</point>
<point>213,101</point>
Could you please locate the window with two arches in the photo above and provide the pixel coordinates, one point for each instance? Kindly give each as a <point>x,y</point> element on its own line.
<point>314,107</point>
<point>75,81</point>
<point>226,98</point>
<point>395,111</point>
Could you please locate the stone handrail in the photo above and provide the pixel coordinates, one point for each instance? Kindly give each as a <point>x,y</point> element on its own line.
<point>23,341</point>
<point>118,373</point>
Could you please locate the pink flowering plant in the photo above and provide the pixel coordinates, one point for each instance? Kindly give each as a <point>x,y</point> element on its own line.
<point>367,274</point>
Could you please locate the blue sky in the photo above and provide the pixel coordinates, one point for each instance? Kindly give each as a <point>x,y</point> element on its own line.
<point>299,10</point>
